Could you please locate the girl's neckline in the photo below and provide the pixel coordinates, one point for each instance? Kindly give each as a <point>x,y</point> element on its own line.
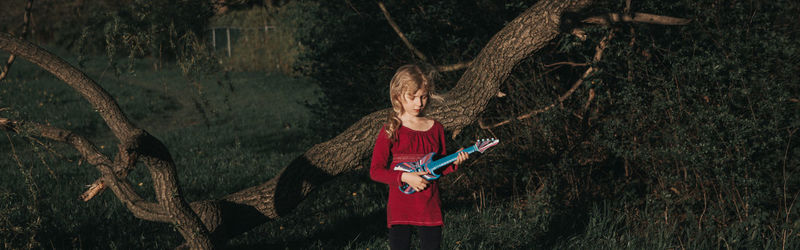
<point>414,130</point>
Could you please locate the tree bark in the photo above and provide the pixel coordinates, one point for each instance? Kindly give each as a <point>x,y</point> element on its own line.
<point>245,209</point>
<point>134,143</point>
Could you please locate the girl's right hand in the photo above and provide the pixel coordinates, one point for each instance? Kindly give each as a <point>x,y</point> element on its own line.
<point>415,180</point>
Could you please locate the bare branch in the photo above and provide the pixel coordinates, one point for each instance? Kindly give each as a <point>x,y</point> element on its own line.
<point>25,24</point>
<point>597,56</point>
<point>101,101</point>
<point>111,177</point>
<point>573,64</point>
<point>7,68</point>
<point>84,146</point>
<point>132,140</point>
<point>453,67</point>
<point>589,100</point>
<point>627,7</point>
<point>637,17</point>
<point>400,33</point>
<point>419,54</point>
<point>580,33</point>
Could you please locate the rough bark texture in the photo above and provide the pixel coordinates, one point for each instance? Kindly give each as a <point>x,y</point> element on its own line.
<point>243,210</point>
<point>133,140</point>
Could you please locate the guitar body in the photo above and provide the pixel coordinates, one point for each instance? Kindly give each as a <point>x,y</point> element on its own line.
<point>428,165</point>
<point>420,165</point>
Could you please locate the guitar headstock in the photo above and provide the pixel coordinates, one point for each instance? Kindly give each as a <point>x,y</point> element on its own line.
<point>484,144</point>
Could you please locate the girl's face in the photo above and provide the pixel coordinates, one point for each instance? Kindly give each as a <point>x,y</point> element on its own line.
<point>414,103</point>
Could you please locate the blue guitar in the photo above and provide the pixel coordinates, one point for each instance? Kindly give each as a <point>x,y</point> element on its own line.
<point>425,164</point>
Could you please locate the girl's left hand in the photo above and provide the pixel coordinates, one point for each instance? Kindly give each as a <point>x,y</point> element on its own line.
<point>462,156</point>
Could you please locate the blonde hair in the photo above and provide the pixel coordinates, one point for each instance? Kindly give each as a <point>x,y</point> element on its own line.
<point>407,78</point>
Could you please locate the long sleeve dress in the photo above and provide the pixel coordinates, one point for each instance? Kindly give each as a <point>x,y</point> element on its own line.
<point>421,208</point>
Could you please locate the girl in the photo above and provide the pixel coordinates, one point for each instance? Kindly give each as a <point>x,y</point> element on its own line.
<point>407,136</point>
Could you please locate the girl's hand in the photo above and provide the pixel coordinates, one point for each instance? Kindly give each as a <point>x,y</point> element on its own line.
<point>462,156</point>
<point>415,180</point>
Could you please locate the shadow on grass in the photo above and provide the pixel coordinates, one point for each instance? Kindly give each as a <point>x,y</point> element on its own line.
<point>349,220</point>
<point>343,233</point>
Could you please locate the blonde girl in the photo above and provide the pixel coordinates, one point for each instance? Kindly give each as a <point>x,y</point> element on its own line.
<point>407,136</point>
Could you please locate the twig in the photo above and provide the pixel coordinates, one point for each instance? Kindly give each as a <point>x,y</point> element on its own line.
<point>419,54</point>
<point>785,177</point>
<point>33,191</point>
<point>588,101</point>
<point>597,56</point>
<point>627,7</point>
<point>12,57</point>
<point>579,33</point>
<point>453,67</point>
<point>353,7</point>
<point>636,17</point>
<point>84,146</point>
<point>573,64</point>
<point>400,33</point>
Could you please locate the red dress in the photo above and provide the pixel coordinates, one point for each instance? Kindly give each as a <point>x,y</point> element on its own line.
<point>421,208</point>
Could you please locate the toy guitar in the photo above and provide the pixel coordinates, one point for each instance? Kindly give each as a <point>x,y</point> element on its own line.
<point>425,164</point>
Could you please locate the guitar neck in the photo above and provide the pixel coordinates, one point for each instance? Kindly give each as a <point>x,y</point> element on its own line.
<point>434,165</point>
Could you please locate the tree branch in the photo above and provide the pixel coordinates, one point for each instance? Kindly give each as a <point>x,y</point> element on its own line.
<point>101,101</point>
<point>636,17</point>
<point>453,67</point>
<point>132,139</point>
<point>25,24</point>
<point>400,33</point>
<point>84,146</point>
<point>597,56</point>
<point>89,151</point>
<point>573,64</point>
<point>414,50</point>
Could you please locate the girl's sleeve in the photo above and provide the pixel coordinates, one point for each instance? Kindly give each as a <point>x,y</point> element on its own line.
<point>379,168</point>
<point>443,151</point>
